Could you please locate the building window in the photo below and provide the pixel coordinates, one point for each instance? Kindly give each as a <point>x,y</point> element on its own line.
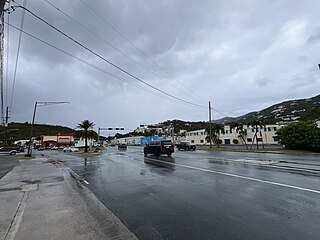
<point>275,129</point>
<point>269,129</point>
<point>192,141</point>
<point>249,139</point>
<point>259,139</point>
<point>201,141</point>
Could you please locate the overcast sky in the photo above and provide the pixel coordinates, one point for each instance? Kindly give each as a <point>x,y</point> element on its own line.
<point>243,56</point>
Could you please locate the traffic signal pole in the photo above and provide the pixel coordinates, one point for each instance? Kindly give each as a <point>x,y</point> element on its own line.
<point>210,127</point>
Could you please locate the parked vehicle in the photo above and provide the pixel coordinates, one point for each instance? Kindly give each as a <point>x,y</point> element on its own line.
<point>122,146</point>
<point>10,150</point>
<point>186,146</point>
<point>70,149</point>
<point>159,147</point>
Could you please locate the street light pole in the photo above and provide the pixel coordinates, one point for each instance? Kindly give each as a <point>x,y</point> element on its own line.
<point>33,119</point>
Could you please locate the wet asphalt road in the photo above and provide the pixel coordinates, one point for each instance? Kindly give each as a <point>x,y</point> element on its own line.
<point>205,195</point>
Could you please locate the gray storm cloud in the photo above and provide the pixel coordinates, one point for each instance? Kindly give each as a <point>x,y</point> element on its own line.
<point>240,55</point>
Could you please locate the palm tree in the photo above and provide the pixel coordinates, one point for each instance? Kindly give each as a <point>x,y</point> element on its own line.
<point>257,125</point>
<point>86,132</point>
<point>240,130</point>
<point>217,129</point>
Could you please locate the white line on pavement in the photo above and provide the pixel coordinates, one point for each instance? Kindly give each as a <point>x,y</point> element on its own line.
<point>239,176</point>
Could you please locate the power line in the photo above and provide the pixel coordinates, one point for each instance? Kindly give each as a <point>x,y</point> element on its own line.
<point>91,65</point>
<point>106,60</point>
<point>18,53</point>
<point>136,47</point>
<point>219,112</point>
<point>117,49</point>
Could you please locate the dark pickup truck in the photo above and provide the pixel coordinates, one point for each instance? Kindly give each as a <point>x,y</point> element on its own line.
<point>186,146</point>
<point>10,150</point>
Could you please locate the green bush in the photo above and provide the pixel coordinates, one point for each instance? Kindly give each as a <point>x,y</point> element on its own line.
<point>300,136</point>
<point>235,141</point>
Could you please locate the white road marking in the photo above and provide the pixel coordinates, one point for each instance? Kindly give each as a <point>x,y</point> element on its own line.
<point>239,176</point>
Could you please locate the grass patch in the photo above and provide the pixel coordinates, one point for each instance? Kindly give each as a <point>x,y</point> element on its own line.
<point>266,150</point>
<point>22,157</point>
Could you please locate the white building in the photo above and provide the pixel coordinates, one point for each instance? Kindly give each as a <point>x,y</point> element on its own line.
<point>135,140</point>
<point>21,143</point>
<point>197,137</point>
<point>230,136</point>
<point>81,143</point>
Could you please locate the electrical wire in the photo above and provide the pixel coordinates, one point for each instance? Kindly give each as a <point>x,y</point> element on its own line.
<point>137,48</point>
<point>117,49</point>
<point>18,53</point>
<point>115,76</point>
<point>91,65</point>
<point>219,112</point>
<point>106,60</point>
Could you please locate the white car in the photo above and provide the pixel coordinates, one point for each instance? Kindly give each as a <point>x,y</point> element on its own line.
<point>70,149</point>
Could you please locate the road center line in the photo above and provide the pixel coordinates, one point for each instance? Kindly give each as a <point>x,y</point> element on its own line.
<point>239,176</point>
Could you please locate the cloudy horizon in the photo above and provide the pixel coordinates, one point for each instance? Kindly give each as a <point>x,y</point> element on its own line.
<point>242,56</point>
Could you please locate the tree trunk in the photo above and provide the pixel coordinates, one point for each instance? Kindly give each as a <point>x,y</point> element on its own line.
<point>242,137</point>
<point>261,139</point>
<point>255,134</point>
<point>86,142</point>
<point>257,138</point>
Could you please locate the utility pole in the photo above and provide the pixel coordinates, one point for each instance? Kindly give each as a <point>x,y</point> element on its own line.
<point>2,4</point>
<point>33,119</point>
<point>31,131</point>
<point>210,127</point>
<point>6,126</point>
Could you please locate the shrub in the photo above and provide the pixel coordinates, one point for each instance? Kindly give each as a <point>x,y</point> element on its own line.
<point>300,136</point>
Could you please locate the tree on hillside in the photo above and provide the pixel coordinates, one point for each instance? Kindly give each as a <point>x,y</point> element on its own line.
<point>216,130</point>
<point>86,132</point>
<point>257,126</point>
<point>300,136</point>
<point>240,130</point>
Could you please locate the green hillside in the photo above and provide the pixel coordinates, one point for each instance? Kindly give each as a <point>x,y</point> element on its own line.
<point>18,131</point>
<point>287,111</point>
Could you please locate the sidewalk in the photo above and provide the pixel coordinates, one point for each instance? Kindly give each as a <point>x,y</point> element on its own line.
<point>40,200</point>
